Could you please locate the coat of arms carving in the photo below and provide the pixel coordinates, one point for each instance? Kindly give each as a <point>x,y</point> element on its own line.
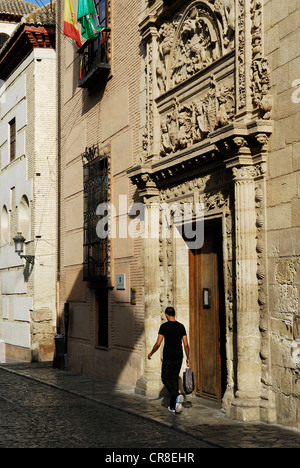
<point>190,123</point>
<point>193,40</point>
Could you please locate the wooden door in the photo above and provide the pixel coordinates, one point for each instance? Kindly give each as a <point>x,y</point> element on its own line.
<point>206,314</point>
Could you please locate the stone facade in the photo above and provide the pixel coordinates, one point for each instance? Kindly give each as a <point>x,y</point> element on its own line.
<point>282,356</point>
<point>198,109</point>
<point>188,109</point>
<point>221,130</point>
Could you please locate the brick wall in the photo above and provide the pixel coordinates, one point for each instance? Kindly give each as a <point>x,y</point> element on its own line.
<point>108,116</point>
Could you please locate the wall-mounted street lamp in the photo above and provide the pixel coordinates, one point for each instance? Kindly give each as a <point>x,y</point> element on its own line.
<point>19,247</point>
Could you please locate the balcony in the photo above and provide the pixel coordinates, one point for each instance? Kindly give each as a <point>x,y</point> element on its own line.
<point>94,62</point>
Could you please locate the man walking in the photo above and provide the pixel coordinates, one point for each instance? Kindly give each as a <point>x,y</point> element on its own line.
<point>174,334</point>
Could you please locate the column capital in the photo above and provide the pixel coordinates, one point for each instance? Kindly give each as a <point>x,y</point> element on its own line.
<point>142,177</point>
<point>250,172</point>
<point>244,173</point>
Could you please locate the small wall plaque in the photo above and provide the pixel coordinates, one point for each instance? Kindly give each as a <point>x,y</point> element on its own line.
<point>133,296</point>
<point>121,286</point>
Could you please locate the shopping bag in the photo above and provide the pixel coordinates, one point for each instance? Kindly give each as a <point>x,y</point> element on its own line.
<point>188,381</point>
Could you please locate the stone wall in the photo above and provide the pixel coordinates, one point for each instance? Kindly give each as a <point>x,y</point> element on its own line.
<point>283,206</point>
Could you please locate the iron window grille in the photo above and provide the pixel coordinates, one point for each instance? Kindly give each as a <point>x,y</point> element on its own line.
<point>96,266</point>
<point>3,39</point>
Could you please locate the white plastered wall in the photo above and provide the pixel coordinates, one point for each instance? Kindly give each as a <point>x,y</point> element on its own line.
<point>17,296</point>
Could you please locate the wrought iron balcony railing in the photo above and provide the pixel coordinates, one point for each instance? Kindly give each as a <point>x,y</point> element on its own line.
<point>94,61</point>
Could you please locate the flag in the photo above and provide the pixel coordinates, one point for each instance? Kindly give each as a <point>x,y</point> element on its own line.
<point>70,23</point>
<point>86,9</point>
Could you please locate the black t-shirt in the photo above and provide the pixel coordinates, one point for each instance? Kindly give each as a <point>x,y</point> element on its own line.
<point>173,333</point>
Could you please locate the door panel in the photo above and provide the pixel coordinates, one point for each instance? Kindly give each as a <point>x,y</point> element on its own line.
<point>205,315</point>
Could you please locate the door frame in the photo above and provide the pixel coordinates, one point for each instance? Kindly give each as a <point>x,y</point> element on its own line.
<point>195,294</point>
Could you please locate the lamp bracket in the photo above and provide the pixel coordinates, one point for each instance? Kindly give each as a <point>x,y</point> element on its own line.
<point>28,258</point>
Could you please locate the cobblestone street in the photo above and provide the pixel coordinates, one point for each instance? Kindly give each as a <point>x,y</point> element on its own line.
<point>42,407</point>
<point>36,415</point>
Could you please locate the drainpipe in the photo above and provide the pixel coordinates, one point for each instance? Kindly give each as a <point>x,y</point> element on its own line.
<point>58,51</point>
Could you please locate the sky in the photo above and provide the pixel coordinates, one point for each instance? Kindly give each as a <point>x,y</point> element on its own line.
<point>38,2</point>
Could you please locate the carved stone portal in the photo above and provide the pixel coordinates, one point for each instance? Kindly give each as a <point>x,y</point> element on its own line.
<point>204,140</point>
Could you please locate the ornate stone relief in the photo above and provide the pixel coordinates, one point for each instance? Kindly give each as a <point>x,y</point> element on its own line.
<point>193,40</point>
<point>148,130</point>
<point>260,71</point>
<point>257,174</point>
<point>190,123</point>
<point>241,74</point>
<point>189,45</point>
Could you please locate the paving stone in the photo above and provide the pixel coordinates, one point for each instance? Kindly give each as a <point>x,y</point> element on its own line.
<point>45,407</point>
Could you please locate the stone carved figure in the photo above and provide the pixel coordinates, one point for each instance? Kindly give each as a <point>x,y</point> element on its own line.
<point>261,84</point>
<point>190,123</point>
<point>215,110</point>
<point>226,9</point>
<point>167,36</point>
<point>177,128</point>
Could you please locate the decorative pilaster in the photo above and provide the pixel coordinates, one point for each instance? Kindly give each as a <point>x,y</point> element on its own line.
<point>151,131</point>
<point>246,405</point>
<point>150,382</point>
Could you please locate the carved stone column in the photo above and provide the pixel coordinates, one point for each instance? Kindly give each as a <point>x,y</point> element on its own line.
<point>150,382</point>
<point>246,404</point>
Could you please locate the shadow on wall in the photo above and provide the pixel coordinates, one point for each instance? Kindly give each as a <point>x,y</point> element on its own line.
<point>99,336</point>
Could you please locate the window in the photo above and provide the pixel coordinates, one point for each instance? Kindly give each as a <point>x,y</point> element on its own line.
<point>4,226</point>
<point>24,216</point>
<point>3,39</point>
<point>95,181</point>
<point>100,17</point>
<point>94,60</point>
<point>12,139</point>
<point>102,298</point>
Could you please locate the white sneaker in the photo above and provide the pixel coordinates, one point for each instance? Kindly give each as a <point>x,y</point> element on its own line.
<point>178,406</point>
<point>171,409</point>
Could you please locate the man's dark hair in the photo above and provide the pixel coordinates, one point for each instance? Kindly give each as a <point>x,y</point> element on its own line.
<point>170,311</point>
